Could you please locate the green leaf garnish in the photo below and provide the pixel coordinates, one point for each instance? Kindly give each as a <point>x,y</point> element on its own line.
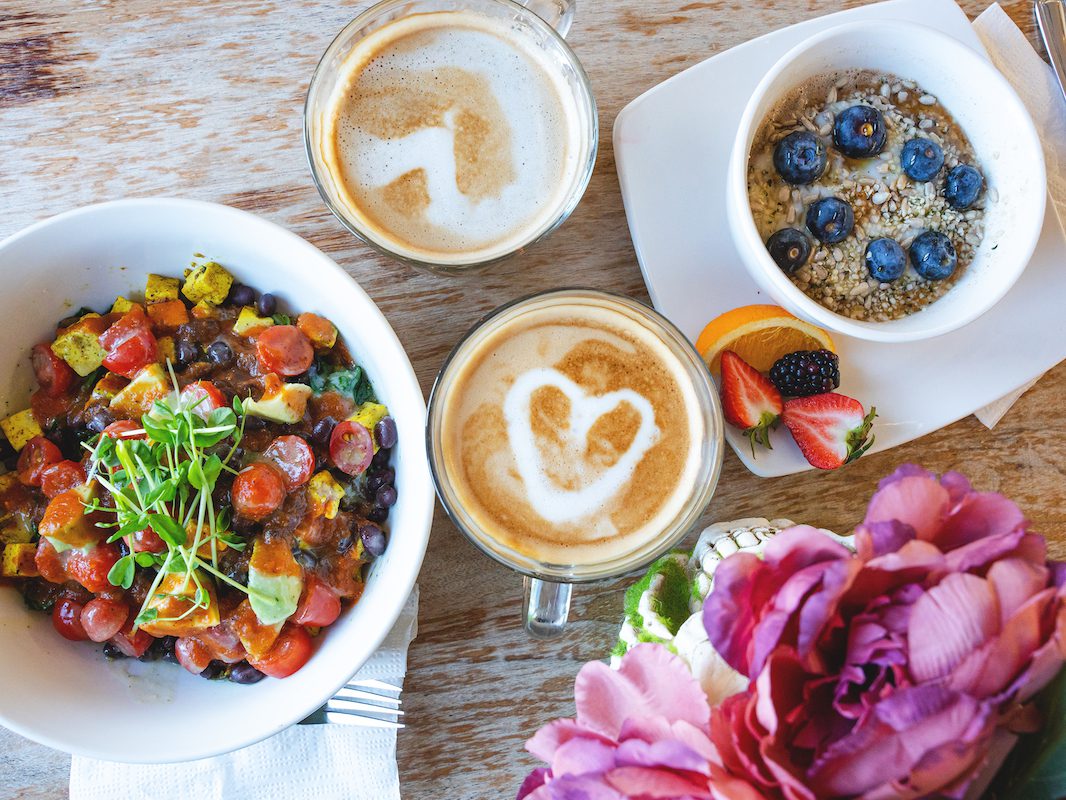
<point>121,574</point>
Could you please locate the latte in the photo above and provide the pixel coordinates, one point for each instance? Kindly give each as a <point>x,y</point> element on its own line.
<point>451,137</point>
<point>571,432</point>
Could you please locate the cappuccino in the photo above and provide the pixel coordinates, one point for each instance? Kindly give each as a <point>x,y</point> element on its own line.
<point>571,432</point>
<point>451,137</point>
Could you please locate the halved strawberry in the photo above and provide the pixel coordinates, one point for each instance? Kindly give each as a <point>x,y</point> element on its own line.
<point>749,400</point>
<point>830,429</point>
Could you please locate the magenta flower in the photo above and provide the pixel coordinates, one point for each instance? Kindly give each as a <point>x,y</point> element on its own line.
<point>900,671</point>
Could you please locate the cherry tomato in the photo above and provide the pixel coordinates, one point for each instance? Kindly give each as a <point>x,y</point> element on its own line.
<point>203,397</point>
<point>192,654</point>
<point>90,569</point>
<point>148,541</point>
<point>290,652</point>
<point>62,476</point>
<point>102,618</point>
<point>123,429</point>
<point>294,458</point>
<point>285,350</point>
<point>258,490</point>
<point>131,645</point>
<point>53,375</point>
<point>351,447</point>
<point>66,618</point>
<point>47,409</point>
<point>319,605</point>
<point>37,455</point>
<point>50,562</point>
<point>129,343</point>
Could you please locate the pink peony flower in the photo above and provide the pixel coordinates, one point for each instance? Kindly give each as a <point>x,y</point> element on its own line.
<point>900,671</point>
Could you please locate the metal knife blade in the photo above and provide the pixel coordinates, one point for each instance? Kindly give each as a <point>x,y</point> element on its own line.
<point>1051,19</point>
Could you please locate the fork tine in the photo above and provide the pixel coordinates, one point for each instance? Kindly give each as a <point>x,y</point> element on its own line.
<point>371,683</point>
<point>343,704</point>
<point>358,694</point>
<point>346,718</point>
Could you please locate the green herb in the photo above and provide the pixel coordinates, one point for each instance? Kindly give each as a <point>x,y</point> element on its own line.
<point>282,319</point>
<point>350,382</point>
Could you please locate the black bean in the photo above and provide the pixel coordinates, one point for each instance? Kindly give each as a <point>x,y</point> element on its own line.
<point>266,305</point>
<point>322,431</point>
<point>386,497</point>
<point>378,514</point>
<point>254,423</point>
<point>385,431</point>
<point>220,353</point>
<point>99,418</point>
<point>379,478</point>
<point>381,457</point>
<point>304,558</point>
<point>113,653</point>
<point>186,352</point>
<point>373,539</point>
<point>245,673</point>
<point>123,548</point>
<point>345,544</point>
<point>241,295</point>
<point>165,648</point>
<point>214,670</point>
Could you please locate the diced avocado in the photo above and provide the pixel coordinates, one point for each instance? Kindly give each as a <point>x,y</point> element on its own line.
<point>121,305</point>
<point>147,386</point>
<point>174,597</point>
<point>160,288</point>
<point>324,495</point>
<point>65,523</point>
<point>284,403</point>
<point>107,387</point>
<point>249,323</point>
<point>369,415</point>
<point>208,283</point>
<point>19,561</point>
<point>275,581</point>
<point>20,428</point>
<point>166,349</point>
<point>79,345</point>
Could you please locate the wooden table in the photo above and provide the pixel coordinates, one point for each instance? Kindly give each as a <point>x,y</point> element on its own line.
<point>203,99</point>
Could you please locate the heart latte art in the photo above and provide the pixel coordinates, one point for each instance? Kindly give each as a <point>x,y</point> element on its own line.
<point>571,435</point>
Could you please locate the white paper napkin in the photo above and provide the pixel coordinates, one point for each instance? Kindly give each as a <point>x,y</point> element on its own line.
<point>316,762</point>
<point>1034,81</point>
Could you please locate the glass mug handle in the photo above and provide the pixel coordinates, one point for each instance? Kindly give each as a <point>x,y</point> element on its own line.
<point>557,13</point>
<point>545,607</point>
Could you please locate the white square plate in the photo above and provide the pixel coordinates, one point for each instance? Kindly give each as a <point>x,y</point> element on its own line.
<point>672,146</point>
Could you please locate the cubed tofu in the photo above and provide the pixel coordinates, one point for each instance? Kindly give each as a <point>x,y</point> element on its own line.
<point>17,527</point>
<point>122,305</point>
<point>136,399</point>
<point>369,415</point>
<point>203,310</point>
<point>79,345</point>
<point>65,523</point>
<point>321,332</point>
<point>208,283</point>
<point>324,495</point>
<point>281,402</point>
<point>20,561</point>
<point>166,349</point>
<point>20,428</point>
<point>173,598</point>
<point>107,387</point>
<point>168,314</point>
<point>160,288</point>
<point>249,323</point>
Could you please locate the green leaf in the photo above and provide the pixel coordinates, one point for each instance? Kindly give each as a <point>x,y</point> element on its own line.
<point>158,430</point>
<point>146,559</point>
<point>282,319</point>
<point>196,476</point>
<point>238,406</point>
<point>137,523</point>
<point>168,529</point>
<point>273,597</point>
<point>121,574</point>
<point>1036,767</point>
<point>222,416</point>
<point>147,615</point>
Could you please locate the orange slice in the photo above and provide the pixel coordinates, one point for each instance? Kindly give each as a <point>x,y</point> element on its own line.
<point>760,335</point>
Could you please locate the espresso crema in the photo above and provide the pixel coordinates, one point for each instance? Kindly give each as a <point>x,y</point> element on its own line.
<point>571,434</point>
<point>451,138</point>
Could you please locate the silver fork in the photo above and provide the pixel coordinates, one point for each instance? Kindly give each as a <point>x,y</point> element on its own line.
<point>363,703</point>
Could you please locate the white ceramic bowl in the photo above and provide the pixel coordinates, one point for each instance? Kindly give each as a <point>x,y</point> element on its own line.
<point>66,695</point>
<point>1003,136</point>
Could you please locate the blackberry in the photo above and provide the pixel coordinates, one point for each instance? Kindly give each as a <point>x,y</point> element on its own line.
<point>806,372</point>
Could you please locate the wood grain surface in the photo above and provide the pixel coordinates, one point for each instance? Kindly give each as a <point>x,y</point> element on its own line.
<point>102,99</point>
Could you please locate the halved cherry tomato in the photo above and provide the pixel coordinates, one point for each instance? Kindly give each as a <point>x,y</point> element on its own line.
<point>351,447</point>
<point>131,645</point>
<point>130,343</point>
<point>148,541</point>
<point>103,618</point>
<point>290,652</point>
<point>319,605</point>
<point>203,397</point>
<point>37,455</point>
<point>59,477</point>
<point>285,350</point>
<point>124,429</point>
<point>66,619</point>
<point>90,569</point>
<point>294,458</point>
<point>192,654</point>
<point>258,490</point>
<point>54,376</point>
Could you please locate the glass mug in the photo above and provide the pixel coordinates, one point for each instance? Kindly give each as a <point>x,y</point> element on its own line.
<point>489,346</point>
<point>549,201</point>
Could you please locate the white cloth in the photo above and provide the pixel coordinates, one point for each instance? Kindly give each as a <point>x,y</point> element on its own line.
<point>1035,83</point>
<point>359,762</point>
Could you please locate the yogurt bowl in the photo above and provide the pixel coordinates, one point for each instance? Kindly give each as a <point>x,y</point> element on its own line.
<point>981,102</point>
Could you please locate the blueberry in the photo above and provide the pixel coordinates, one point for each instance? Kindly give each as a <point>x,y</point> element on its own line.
<point>220,353</point>
<point>963,186</point>
<point>266,305</point>
<point>385,432</point>
<point>800,158</point>
<point>830,220</point>
<point>933,256</point>
<point>373,539</point>
<point>789,248</point>
<point>859,132</point>
<point>885,260</point>
<point>921,159</point>
<point>241,295</point>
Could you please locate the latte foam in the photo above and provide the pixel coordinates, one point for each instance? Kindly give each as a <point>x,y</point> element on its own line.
<point>450,138</point>
<point>571,434</point>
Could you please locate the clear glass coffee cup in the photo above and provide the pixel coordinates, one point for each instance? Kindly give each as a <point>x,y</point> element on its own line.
<point>527,20</point>
<point>548,583</point>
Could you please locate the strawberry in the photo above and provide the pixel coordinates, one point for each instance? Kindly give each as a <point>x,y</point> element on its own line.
<point>830,429</point>
<point>749,400</point>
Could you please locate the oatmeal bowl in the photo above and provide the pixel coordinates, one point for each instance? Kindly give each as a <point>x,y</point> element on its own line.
<point>886,182</point>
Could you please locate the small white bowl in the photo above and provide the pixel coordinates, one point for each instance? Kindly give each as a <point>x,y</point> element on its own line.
<point>65,694</point>
<point>1003,136</point>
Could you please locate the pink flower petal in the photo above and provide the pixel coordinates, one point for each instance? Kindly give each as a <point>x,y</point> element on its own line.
<point>668,754</point>
<point>731,610</point>
<point>1015,581</point>
<point>800,546</point>
<point>555,734</point>
<point>958,486</point>
<point>915,500</point>
<point>533,781</point>
<point>572,787</point>
<point>949,621</point>
<point>583,757</point>
<point>779,689</point>
<point>1046,661</point>
<point>643,782</point>
<point>821,606</point>
<point>905,471</point>
<point>885,536</point>
<point>978,554</point>
<point>978,516</point>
